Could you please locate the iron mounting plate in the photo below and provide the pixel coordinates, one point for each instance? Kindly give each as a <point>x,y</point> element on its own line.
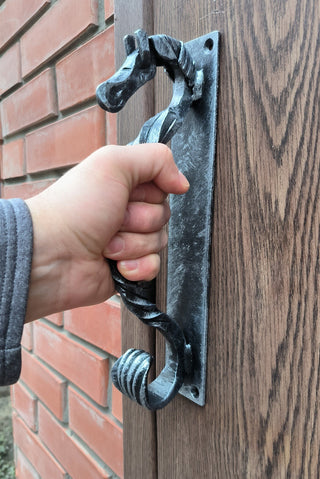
<point>190,227</point>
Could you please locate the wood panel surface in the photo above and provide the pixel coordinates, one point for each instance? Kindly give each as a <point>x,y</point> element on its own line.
<point>262,415</point>
<point>140,449</point>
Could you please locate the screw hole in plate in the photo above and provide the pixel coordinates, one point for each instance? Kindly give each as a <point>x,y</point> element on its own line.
<point>195,391</point>
<point>209,44</point>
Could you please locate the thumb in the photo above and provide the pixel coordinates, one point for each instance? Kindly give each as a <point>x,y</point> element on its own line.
<point>137,164</point>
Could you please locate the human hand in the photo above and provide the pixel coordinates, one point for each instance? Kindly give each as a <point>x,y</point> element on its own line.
<point>112,205</point>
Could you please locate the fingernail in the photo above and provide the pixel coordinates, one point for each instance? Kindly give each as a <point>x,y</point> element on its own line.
<point>164,239</point>
<point>116,245</point>
<point>184,180</point>
<point>129,265</point>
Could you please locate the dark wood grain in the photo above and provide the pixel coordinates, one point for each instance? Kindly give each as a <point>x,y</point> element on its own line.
<point>140,448</point>
<point>261,419</point>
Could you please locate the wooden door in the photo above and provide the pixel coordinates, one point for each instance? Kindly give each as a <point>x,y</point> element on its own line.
<point>262,418</point>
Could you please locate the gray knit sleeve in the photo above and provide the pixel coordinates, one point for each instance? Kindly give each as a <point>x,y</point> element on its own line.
<point>16,240</point>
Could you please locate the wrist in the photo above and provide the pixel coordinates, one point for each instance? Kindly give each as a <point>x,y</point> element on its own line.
<point>49,263</point>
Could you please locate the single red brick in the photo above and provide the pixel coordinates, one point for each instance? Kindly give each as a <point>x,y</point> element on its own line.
<point>88,370</point>
<point>48,386</point>
<point>25,190</point>
<point>62,24</point>
<point>10,68</point>
<point>13,159</point>
<point>24,470</point>
<point>108,8</point>
<point>73,457</point>
<point>15,14</point>
<point>25,405</point>
<point>56,319</point>
<point>79,74</point>
<point>111,129</point>
<point>32,103</point>
<point>117,407</point>
<point>41,459</point>
<point>27,335</point>
<point>67,141</point>
<point>99,325</point>
<point>95,428</point>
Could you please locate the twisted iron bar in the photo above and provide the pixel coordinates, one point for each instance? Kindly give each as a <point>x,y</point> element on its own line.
<point>130,371</point>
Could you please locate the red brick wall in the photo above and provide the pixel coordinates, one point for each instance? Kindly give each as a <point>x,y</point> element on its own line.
<point>67,416</point>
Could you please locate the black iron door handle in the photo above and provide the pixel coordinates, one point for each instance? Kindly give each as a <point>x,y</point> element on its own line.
<point>129,373</point>
<point>190,121</point>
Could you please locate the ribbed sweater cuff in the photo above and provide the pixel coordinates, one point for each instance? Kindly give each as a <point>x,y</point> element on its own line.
<point>16,242</point>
